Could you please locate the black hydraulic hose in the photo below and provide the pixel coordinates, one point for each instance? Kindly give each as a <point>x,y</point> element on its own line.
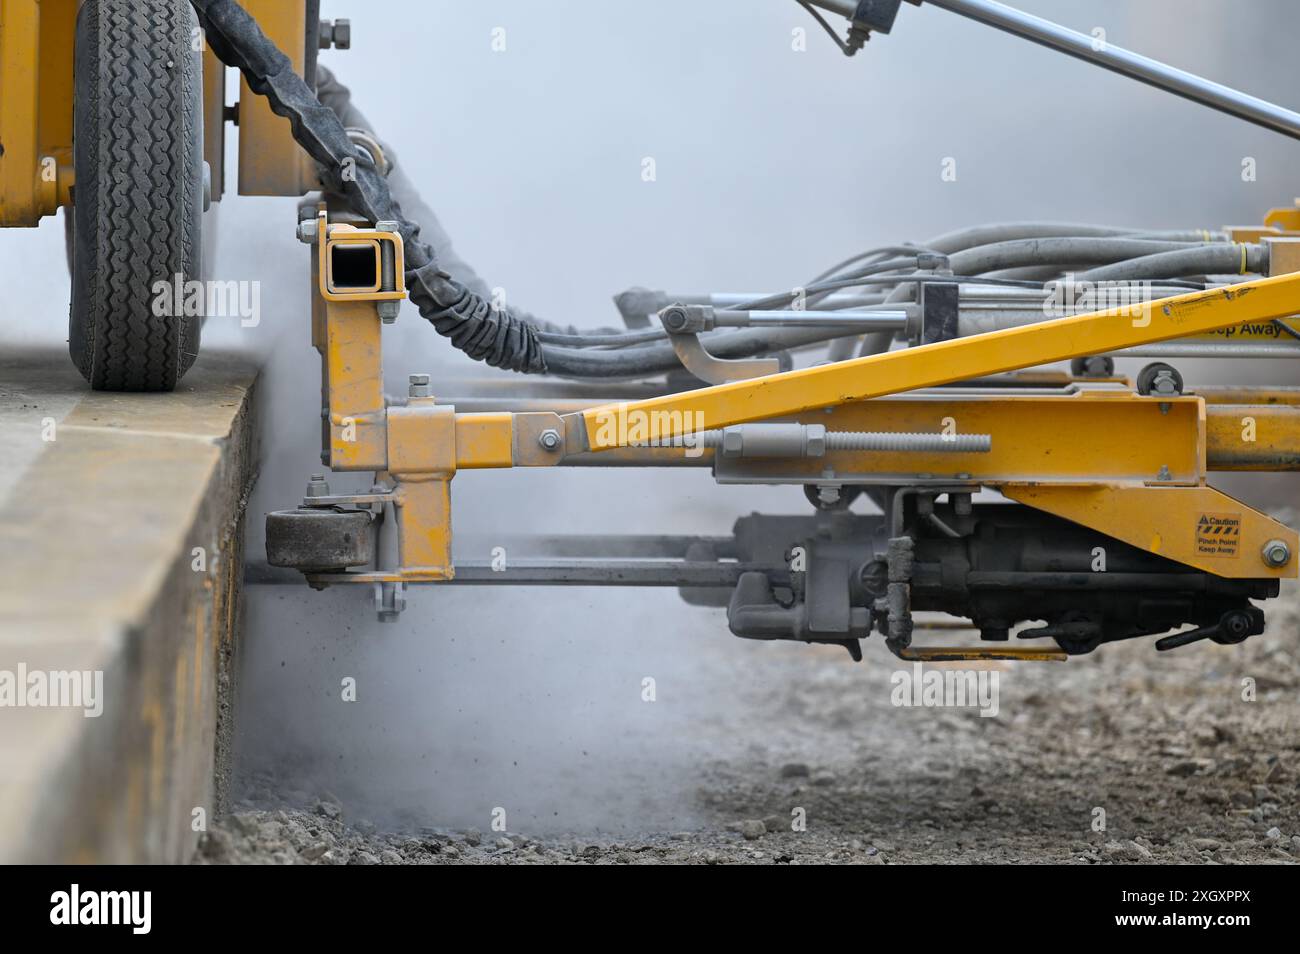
<point>495,336</point>
<point>615,340</point>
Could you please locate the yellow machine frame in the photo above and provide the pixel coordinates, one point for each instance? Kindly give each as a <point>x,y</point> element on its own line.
<point>1130,466</point>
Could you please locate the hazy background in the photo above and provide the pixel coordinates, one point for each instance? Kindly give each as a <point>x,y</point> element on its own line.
<point>771,165</point>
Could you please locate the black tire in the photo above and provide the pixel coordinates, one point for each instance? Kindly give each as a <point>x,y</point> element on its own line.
<point>138,198</point>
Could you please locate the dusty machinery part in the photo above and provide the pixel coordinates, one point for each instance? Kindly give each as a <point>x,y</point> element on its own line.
<point>1007,565</point>
<point>138,202</point>
<point>320,539</point>
<point>1093,367</point>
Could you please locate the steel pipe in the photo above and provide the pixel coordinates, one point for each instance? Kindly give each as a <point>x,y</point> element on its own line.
<point>1225,99</point>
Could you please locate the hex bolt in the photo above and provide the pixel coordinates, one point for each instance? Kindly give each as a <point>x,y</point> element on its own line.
<point>418,386</point>
<point>1164,383</point>
<point>828,494</point>
<point>549,439</point>
<point>317,487</point>
<point>336,34</point>
<point>307,231</point>
<point>1276,553</point>
<point>388,280</point>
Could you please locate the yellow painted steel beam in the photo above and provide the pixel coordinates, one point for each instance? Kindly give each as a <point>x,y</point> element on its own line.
<point>1285,219</point>
<point>981,654</point>
<point>1232,394</point>
<point>19,107</point>
<point>270,161</point>
<point>484,440</point>
<point>879,375</point>
<point>1198,526</point>
<point>354,376</point>
<point>1264,437</point>
<point>424,532</point>
<point>1091,436</point>
<point>36,43</point>
<point>214,121</point>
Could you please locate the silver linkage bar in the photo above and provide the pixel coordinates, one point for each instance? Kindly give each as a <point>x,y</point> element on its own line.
<point>1225,99</point>
<point>764,440</point>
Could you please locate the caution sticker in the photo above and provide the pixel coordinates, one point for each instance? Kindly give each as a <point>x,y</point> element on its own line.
<point>1218,534</point>
<point>1254,331</point>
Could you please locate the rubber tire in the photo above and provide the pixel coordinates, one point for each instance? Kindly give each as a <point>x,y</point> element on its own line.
<point>138,197</point>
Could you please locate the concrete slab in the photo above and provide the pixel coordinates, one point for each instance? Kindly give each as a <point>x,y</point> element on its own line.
<point>120,539</point>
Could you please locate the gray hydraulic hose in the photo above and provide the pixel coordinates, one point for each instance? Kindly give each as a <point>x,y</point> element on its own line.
<point>1234,259</point>
<point>970,237</point>
<point>642,360</point>
<point>1055,251</point>
<point>960,239</point>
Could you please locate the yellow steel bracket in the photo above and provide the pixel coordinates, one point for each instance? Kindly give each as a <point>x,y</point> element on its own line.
<point>1197,526</point>
<point>354,270</point>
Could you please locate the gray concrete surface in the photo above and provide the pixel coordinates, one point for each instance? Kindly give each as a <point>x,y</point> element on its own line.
<point>1127,756</point>
<point>120,538</point>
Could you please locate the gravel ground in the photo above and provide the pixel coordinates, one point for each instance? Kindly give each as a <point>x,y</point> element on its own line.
<point>1119,757</point>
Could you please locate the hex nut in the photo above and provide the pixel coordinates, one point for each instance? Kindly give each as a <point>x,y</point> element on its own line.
<point>1276,553</point>
<point>418,386</point>
<point>815,440</point>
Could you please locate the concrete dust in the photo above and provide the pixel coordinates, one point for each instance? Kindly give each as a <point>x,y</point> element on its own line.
<point>1185,769</point>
